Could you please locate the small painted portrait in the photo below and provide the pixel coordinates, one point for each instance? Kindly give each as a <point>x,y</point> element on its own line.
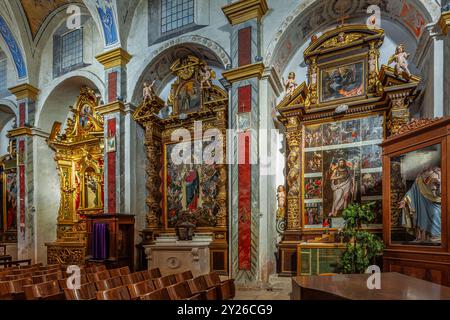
<point>351,131</point>
<point>188,97</point>
<point>313,162</point>
<point>371,184</point>
<point>332,133</point>
<point>372,128</point>
<point>313,214</point>
<point>313,188</point>
<point>370,156</point>
<point>313,136</point>
<point>342,82</point>
<point>85,114</point>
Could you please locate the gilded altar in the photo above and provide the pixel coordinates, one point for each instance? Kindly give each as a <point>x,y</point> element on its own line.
<point>334,124</point>
<point>79,158</point>
<point>185,141</point>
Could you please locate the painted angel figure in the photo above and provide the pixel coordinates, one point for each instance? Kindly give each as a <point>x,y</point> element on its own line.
<point>148,93</point>
<point>290,84</point>
<point>401,62</point>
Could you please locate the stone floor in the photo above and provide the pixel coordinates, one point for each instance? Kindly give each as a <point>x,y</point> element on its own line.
<point>279,289</point>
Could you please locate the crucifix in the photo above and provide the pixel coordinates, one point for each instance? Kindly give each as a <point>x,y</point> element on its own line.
<point>342,20</point>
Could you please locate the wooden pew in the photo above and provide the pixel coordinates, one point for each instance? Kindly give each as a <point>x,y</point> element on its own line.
<point>87,291</point>
<point>183,276</point>
<point>181,291</point>
<point>164,281</point>
<point>98,276</point>
<point>119,272</point>
<point>198,286</point>
<point>17,288</point>
<point>63,282</point>
<point>160,294</point>
<point>47,277</point>
<point>108,284</point>
<point>141,288</point>
<point>132,278</point>
<point>225,289</point>
<point>44,291</point>
<point>5,293</point>
<point>120,293</point>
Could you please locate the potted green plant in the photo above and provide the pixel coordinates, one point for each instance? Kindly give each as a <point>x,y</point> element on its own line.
<point>363,246</point>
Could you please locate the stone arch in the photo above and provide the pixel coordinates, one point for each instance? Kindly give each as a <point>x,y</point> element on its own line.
<point>314,15</point>
<point>158,63</point>
<point>14,51</point>
<point>54,102</point>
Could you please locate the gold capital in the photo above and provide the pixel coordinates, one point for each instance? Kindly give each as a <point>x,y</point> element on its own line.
<point>444,22</point>
<point>114,58</point>
<point>244,10</point>
<point>245,72</point>
<point>25,91</point>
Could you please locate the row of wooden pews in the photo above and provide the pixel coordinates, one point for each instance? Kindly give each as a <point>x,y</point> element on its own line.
<point>37,282</point>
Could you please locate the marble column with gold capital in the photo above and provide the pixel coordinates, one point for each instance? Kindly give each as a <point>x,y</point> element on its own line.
<point>26,96</point>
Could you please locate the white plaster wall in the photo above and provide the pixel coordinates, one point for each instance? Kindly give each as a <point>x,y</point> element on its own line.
<point>46,196</point>
<point>4,141</point>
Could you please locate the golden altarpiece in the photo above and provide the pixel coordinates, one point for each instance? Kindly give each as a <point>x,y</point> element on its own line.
<point>192,190</point>
<point>79,158</point>
<point>334,126</point>
<point>9,193</point>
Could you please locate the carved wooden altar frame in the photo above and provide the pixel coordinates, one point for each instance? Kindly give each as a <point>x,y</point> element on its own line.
<point>212,112</point>
<point>8,166</point>
<point>77,150</point>
<point>385,94</point>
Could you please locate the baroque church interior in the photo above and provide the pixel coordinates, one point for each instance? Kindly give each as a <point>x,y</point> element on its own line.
<point>218,149</point>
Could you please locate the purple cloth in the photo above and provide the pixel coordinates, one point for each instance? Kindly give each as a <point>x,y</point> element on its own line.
<point>100,245</point>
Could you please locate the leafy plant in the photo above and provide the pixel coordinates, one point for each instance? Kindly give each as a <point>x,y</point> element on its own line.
<point>363,246</point>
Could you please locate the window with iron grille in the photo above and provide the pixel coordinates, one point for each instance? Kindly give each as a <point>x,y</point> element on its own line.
<point>3,75</point>
<point>72,49</point>
<point>176,14</point>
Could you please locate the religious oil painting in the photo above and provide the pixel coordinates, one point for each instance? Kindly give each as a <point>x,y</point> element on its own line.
<point>190,187</point>
<point>313,162</point>
<point>313,188</point>
<point>332,133</point>
<point>371,157</point>
<point>11,201</point>
<point>341,82</point>
<point>91,189</point>
<point>341,179</point>
<point>313,214</point>
<point>372,128</point>
<point>189,97</point>
<point>371,184</point>
<point>346,164</point>
<point>420,198</point>
<point>313,136</point>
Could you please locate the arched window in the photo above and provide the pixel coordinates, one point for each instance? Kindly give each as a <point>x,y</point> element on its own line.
<point>176,14</point>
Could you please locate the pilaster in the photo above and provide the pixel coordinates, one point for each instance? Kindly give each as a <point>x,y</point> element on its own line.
<point>26,96</point>
<point>248,260</point>
<point>115,117</point>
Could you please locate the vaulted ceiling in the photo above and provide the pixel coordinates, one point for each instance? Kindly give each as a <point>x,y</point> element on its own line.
<point>37,11</point>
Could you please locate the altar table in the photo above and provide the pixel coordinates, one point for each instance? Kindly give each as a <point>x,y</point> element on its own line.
<point>394,286</point>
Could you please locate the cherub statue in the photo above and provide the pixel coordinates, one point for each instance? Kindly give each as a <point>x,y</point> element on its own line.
<point>148,93</point>
<point>290,84</point>
<point>206,75</point>
<point>281,197</point>
<point>401,62</point>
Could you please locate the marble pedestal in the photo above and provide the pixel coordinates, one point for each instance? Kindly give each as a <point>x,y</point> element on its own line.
<point>173,256</point>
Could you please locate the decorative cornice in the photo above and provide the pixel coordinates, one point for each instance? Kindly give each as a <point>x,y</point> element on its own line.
<point>19,132</point>
<point>444,22</point>
<point>24,91</point>
<point>244,10</point>
<point>114,58</point>
<point>274,79</point>
<point>245,72</point>
<point>113,107</point>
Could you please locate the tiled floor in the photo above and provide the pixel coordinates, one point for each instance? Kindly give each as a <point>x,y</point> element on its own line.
<point>279,289</point>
